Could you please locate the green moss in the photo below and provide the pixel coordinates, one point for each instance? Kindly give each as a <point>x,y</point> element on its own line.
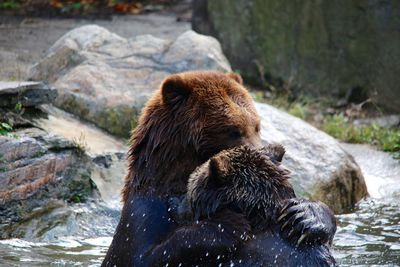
<point>75,105</point>
<point>118,120</point>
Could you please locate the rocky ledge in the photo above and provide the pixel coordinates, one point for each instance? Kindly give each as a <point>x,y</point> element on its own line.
<point>27,94</point>
<point>39,172</point>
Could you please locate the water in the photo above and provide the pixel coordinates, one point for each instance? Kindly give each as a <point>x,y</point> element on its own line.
<point>90,229</point>
<point>92,138</point>
<point>368,236</point>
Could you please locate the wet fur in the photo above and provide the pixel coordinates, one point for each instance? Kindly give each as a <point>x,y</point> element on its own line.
<point>250,182</point>
<point>187,120</point>
<point>191,117</point>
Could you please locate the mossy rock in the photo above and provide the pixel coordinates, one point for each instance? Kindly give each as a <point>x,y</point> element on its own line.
<point>319,47</point>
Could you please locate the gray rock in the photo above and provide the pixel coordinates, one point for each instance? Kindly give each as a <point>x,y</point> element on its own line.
<point>39,171</point>
<point>29,94</point>
<point>380,169</point>
<point>324,47</point>
<point>383,121</point>
<point>106,79</point>
<point>321,169</point>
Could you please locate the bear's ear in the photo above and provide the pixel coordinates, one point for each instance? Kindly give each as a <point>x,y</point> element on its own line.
<point>174,90</point>
<point>236,77</point>
<point>275,152</point>
<point>219,167</point>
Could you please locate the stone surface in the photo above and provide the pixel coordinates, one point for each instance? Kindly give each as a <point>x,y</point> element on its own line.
<point>106,79</point>
<point>321,169</point>
<point>28,94</point>
<point>39,172</point>
<point>324,47</point>
<point>383,121</point>
<point>380,169</point>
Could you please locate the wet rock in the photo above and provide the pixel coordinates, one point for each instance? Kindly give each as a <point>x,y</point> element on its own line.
<point>380,169</point>
<point>106,79</point>
<point>28,94</point>
<point>38,173</point>
<point>321,169</point>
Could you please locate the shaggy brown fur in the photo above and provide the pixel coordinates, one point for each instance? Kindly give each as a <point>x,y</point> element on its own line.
<point>249,180</point>
<point>193,116</point>
<point>244,181</point>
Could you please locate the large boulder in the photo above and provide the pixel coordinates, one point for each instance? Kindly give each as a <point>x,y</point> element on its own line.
<point>106,79</point>
<point>320,168</point>
<point>337,48</point>
<point>39,172</point>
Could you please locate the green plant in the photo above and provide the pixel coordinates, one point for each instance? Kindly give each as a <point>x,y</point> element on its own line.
<point>76,199</point>
<point>386,139</point>
<point>5,129</point>
<point>9,4</point>
<point>80,143</point>
<point>18,107</point>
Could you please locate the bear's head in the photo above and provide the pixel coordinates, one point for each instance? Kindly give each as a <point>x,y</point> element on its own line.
<point>193,116</point>
<point>247,180</point>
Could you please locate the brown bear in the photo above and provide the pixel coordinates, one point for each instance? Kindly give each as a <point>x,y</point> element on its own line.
<point>190,118</point>
<point>251,186</point>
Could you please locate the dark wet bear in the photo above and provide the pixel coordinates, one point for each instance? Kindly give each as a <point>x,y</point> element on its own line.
<point>191,117</point>
<point>249,187</point>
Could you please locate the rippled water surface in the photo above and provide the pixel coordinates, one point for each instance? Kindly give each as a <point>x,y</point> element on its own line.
<point>368,236</point>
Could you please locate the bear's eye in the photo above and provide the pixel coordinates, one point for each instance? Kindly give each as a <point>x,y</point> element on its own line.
<point>234,133</point>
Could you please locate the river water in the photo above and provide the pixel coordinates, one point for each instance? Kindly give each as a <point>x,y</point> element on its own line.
<point>369,235</point>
